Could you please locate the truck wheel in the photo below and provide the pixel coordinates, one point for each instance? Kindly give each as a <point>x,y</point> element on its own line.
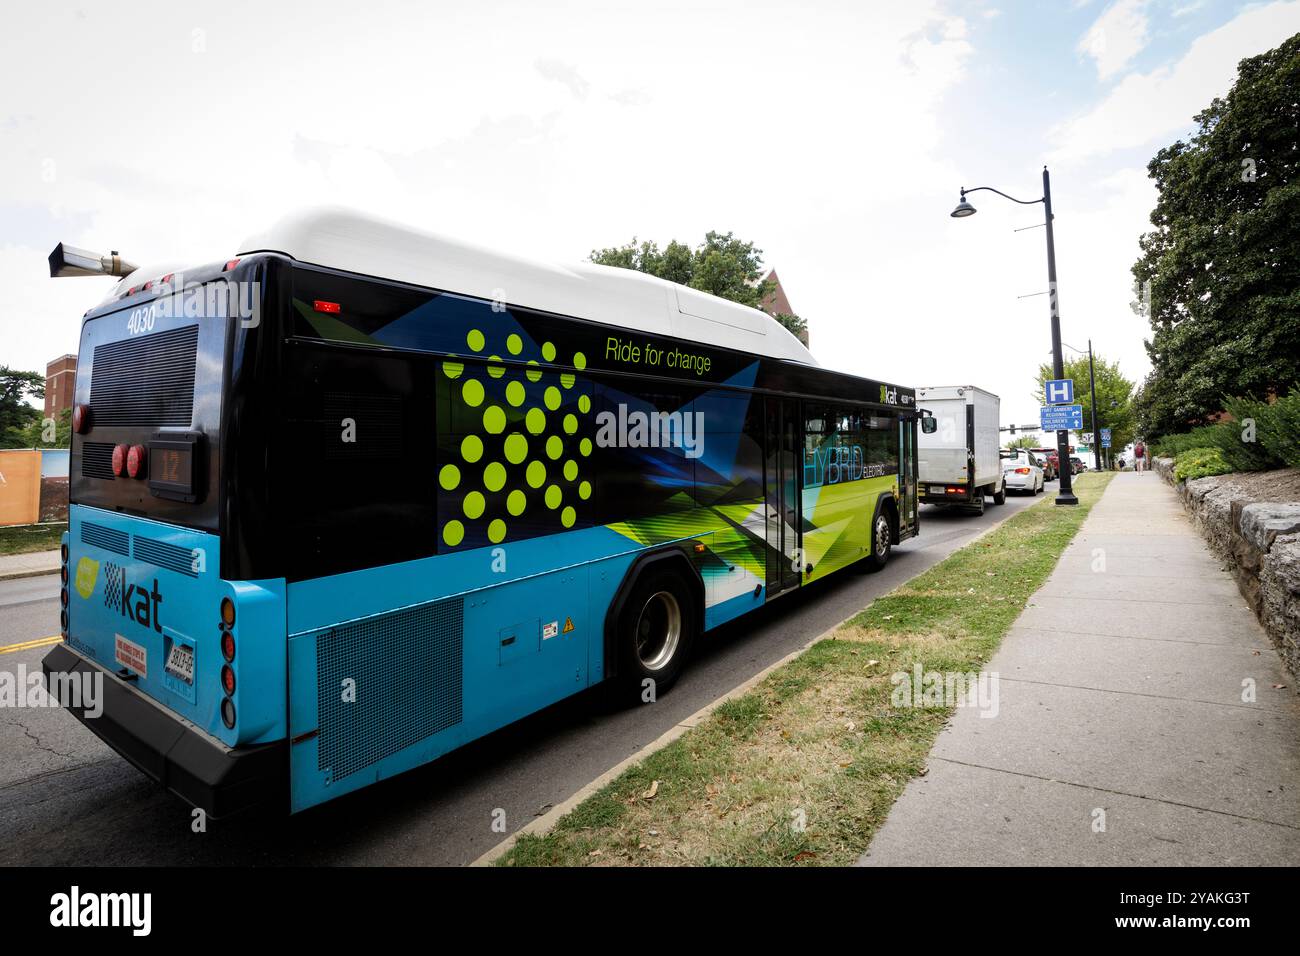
<point>655,633</point>
<point>1000,496</point>
<point>880,542</point>
<point>977,504</point>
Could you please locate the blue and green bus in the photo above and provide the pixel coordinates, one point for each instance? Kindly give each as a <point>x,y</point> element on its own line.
<point>361,494</point>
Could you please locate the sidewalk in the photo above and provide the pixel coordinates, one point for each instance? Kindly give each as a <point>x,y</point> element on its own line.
<point>28,565</point>
<point>1120,705</point>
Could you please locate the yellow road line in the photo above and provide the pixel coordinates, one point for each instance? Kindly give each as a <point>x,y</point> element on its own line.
<point>28,645</point>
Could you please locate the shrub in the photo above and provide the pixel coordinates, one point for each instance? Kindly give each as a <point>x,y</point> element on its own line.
<point>1200,463</point>
<point>1278,429</point>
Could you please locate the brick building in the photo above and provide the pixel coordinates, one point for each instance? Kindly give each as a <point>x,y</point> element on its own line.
<point>60,377</point>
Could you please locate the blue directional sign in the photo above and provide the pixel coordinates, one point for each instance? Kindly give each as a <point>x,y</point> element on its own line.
<point>1058,391</point>
<point>1059,418</point>
<point>1105,438</point>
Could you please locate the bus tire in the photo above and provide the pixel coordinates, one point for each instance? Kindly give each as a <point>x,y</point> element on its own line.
<point>655,634</point>
<point>881,541</point>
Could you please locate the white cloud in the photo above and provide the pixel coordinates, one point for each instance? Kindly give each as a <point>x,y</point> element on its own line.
<point>1116,37</point>
<point>1145,108</point>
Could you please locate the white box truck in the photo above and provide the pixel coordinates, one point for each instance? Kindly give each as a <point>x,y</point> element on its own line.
<point>958,463</point>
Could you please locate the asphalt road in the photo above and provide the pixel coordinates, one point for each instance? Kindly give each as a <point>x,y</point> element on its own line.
<point>66,798</point>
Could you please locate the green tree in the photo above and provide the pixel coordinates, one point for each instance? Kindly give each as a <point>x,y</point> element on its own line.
<point>1221,268</point>
<point>722,265</point>
<point>15,413</point>
<point>1024,441</point>
<point>1114,397</point>
<point>797,326</point>
<point>43,432</point>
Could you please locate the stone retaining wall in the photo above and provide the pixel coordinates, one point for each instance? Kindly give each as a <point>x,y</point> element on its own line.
<point>1252,522</point>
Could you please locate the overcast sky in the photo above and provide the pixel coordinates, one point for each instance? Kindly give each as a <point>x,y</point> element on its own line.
<point>834,135</point>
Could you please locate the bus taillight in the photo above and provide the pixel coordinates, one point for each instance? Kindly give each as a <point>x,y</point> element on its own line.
<point>119,460</point>
<point>227,645</point>
<point>228,678</point>
<point>228,713</point>
<point>136,458</point>
<point>81,419</point>
<point>227,612</point>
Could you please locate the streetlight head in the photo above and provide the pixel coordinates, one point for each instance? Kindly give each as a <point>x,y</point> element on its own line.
<point>963,209</point>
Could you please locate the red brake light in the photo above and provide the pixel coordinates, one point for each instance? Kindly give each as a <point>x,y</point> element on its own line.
<point>320,305</point>
<point>228,678</point>
<point>227,645</point>
<point>81,419</point>
<point>1022,471</point>
<point>230,265</point>
<point>119,460</point>
<point>136,458</point>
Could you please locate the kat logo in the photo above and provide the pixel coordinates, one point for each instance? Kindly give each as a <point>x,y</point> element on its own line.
<point>87,575</point>
<point>888,396</point>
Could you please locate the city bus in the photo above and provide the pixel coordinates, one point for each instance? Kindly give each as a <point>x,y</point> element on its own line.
<point>359,494</point>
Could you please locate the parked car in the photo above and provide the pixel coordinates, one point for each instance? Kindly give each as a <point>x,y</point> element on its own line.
<point>1048,461</point>
<point>1023,473</point>
<point>1077,465</point>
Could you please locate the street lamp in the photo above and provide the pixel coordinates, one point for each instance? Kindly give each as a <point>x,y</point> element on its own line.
<point>1065,493</point>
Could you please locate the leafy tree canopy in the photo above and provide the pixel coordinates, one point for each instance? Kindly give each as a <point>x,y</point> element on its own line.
<point>1221,267</point>
<point>15,414</point>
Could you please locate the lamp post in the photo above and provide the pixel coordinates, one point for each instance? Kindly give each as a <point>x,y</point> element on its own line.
<point>1092,405</point>
<point>1065,492</point>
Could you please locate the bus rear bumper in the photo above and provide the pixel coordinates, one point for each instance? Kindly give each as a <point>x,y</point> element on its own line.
<point>220,781</point>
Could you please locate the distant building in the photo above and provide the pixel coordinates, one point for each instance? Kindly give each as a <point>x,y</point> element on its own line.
<point>60,383</point>
<point>777,302</point>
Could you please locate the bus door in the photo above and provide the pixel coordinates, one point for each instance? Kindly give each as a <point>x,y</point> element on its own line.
<point>907,472</point>
<point>783,463</point>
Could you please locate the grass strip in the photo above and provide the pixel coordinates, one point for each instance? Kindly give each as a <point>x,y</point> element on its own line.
<point>803,769</point>
<point>26,538</point>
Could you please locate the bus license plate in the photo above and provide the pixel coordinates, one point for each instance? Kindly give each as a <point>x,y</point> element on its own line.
<point>180,662</point>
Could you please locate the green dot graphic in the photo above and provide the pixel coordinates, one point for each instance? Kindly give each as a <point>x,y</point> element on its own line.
<point>553,496</point>
<point>548,352</point>
<point>584,446</point>
<point>497,531</point>
<point>515,393</point>
<point>475,339</point>
<point>494,419</point>
<point>516,448</point>
<point>570,423</point>
<point>579,360</point>
<point>555,446</point>
<point>514,344</point>
<point>495,368</point>
<point>534,374</point>
<point>494,476</point>
<point>471,448</point>
<point>516,501</point>
<point>567,379</point>
<point>453,369</point>
<point>472,392</point>
<point>570,470</point>
<point>584,490</point>
<point>567,517</point>
<point>453,533</point>
<point>552,398</point>
<point>535,421</point>
<point>536,474</point>
<point>449,477</point>
<point>474,505</point>
<point>584,404</point>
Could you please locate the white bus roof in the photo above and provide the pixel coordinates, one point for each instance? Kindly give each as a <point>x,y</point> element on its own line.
<point>621,298</point>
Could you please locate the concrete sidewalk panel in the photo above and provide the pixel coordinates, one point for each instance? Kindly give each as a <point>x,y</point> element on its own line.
<point>959,815</point>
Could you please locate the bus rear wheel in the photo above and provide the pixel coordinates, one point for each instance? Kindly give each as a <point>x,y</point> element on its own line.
<point>655,634</point>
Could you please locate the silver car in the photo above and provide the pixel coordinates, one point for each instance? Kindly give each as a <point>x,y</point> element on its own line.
<point>1023,473</point>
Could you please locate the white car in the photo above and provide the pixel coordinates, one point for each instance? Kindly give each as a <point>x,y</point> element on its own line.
<point>1024,472</point>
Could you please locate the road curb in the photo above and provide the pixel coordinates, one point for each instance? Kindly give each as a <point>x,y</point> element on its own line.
<point>542,825</point>
<point>29,573</point>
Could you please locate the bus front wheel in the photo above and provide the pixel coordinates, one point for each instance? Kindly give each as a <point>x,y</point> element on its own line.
<point>880,542</point>
<point>655,634</point>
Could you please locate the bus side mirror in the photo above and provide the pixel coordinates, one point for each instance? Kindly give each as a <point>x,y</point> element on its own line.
<point>929,424</point>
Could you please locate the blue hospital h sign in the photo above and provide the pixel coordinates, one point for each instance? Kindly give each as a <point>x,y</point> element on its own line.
<point>1059,391</point>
